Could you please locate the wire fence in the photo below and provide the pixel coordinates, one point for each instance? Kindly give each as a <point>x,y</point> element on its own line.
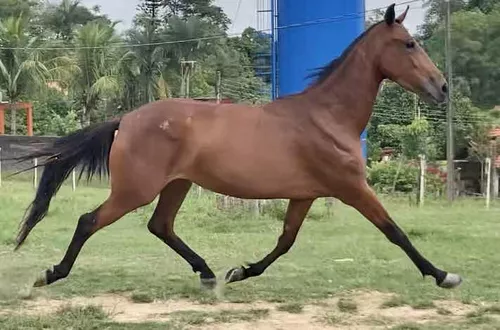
<point>421,195</point>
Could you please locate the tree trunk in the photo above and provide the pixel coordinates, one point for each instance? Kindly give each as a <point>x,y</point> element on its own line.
<point>13,120</point>
<point>329,201</point>
<point>85,120</point>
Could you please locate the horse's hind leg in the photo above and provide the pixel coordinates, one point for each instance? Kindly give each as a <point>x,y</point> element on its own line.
<point>162,226</point>
<point>295,215</point>
<point>111,210</point>
<point>368,204</point>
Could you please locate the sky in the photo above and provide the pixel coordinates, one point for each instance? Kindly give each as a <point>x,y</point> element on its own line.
<point>124,10</point>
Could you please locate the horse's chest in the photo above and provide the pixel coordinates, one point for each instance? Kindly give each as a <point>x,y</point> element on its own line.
<point>334,166</point>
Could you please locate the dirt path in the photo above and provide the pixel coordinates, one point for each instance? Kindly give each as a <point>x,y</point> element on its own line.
<point>360,310</point>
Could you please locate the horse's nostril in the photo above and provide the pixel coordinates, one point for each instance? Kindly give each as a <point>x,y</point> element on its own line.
<point>444,88</point>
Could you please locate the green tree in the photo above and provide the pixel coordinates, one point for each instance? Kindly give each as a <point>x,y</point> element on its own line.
<point>97,66</point>
<point>480,143</point>
<point>201,9</point>
<point>149,62</point>
<point>418,140</point>
<point>391,135</point>
<point>395,109</point>
<point>196,44</point>
<point>256,46</point>
<point>149,57</point>
<point>19,8</point>
<point>468,119</point>
<point>247,89</point>
<point>64,18</point>
<point>195,36</point>
<point>475,47</point>
<point>54,114</point>
<point>21,66</point>
<point>436,11</point>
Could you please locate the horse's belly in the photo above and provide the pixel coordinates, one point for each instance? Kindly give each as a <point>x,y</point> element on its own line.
<point>257,178</point>
<point>253,159</point>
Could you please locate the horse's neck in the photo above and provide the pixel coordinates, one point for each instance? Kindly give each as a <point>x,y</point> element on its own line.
<point>348,95</point>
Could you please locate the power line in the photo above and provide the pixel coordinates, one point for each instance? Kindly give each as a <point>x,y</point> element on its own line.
<point>237,13</point>
<point>435,113</point>
<point>335,19</point>
<point>408,118</point>
<point>427,118</point>
<point>352,15</point>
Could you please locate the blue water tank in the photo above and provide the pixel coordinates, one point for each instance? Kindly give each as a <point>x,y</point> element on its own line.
<point>311,33</point>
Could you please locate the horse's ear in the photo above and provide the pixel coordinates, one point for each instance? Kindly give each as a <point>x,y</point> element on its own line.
<point>402,17</point>
<point>390,15</point>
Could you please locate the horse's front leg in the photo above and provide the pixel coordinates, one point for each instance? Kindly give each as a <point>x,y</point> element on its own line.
<point>295,215</point>
<point>367,203</point>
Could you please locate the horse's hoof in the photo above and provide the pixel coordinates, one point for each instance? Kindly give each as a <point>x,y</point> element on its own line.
<point>450,281</point>
<point>208,283</point>
<point>41,280</point>
<point>235,275</point>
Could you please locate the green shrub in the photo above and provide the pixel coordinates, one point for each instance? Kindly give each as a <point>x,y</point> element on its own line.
<point>405,175</point>
<point>383,175</point>
<point>275,209</point>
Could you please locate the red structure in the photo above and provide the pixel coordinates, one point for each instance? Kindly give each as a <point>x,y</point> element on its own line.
<point>28,107</point>
<point>213,100</point>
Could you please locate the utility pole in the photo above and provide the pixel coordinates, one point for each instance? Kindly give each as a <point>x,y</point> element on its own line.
<point>223,199</point>
<point>450,178</point>
<point>186,68</point>
<point>218,83</point>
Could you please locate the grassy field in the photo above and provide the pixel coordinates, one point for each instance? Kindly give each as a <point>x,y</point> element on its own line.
<point>339,264</point>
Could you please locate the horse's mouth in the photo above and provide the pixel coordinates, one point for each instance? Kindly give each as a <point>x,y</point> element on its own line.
<point>432,95</point>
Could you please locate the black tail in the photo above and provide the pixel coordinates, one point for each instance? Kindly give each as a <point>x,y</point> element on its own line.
<point>88,147</point>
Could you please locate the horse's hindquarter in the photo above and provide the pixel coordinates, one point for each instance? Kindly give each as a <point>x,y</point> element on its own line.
<point>245,152</point>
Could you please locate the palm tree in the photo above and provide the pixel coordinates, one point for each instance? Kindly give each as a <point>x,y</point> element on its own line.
<point>21,64</point>
<point>190,40</point>
<point>197,37</point>
<point>158,53</point>
<point>150,60</point>
<point>98,64</point>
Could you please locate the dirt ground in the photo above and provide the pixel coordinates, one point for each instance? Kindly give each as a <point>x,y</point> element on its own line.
<point>364,310</point>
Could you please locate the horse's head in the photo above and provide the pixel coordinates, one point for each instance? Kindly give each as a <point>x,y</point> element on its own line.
<point>405,62</point>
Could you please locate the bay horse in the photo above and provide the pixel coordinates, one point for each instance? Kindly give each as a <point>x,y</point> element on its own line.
<point>300,147</point>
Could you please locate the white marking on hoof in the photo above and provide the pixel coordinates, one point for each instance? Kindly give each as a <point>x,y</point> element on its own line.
<point>451,281</point>
<point>41,280</point>
<point>235,274</point>
<point>208,283</point>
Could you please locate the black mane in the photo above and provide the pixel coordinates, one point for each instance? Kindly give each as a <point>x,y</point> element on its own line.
<point>324,72</point>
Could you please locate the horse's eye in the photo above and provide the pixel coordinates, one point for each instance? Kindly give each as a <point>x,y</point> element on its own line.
<point>410,44</point>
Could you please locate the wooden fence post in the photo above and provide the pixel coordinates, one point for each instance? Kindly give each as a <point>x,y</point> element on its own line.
<point>329,205</point>
<point>421,194</point>
<point>488,182</point>
<point>73,179</point>
<point>35,173</point>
